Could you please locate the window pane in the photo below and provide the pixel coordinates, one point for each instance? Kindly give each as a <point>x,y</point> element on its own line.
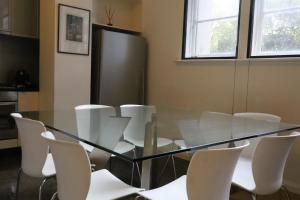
<point>216,8</point>
<point>216,38</point>
<point>212,28</point>
<point>279,4</point>
<point>276,28</point>
<point>281,34</point>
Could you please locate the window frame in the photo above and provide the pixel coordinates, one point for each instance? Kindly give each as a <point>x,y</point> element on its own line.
<point>250,38</point>
<point>183,50</point>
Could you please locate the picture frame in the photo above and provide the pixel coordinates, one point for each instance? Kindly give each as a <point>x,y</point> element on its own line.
<point>73,30</point>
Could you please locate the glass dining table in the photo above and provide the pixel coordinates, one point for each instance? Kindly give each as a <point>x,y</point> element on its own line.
<point>155,132</point>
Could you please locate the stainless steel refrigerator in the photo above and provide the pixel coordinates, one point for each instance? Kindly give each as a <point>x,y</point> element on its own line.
<point>118,67</point>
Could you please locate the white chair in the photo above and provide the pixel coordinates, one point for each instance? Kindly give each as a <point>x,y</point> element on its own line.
<point>85,125</point>
<point>74,177</point>
<point>262,175</point>
<point>94,118</point>
<point>140,116</point>
<point>274,119</point>
<point>36,161</point>
<point>208,177</point>
<point>211,127</point>
<point>136,129</point>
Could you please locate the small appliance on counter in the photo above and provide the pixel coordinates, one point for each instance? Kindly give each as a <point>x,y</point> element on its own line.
<point>22,80</point>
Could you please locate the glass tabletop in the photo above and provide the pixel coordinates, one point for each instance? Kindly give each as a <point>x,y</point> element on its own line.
<point>137,133</point>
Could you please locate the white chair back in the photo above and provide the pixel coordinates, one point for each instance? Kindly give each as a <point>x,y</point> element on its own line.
<point>210,173</point>
<point>249,151</point>
<point>34,147</point>
<point>73,170</point>
<point>269,162</point>
<point>259,116</point>
<point>140,116</point>
<point>91,118</point>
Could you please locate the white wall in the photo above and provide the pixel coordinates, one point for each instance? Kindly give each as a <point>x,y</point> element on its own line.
<point>127,13</point>
<point>72,72</point>
<point>65,78</point>
<point>272,86</point>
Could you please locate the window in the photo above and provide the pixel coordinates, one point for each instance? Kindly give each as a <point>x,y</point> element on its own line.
<point>211,29</point>
<point>275,28</point>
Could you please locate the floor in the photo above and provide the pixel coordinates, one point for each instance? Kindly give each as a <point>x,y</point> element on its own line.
<point>10,162</point>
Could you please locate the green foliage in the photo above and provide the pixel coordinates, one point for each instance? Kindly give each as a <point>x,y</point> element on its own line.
<point>224,36</point>
<point>281,32</point>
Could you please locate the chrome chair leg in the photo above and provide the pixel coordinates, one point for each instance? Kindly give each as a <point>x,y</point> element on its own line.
<point>41,188</point>
<point>138,169</point>
<point>286,192</point>
<point>135,164</point>
<point>132,173</point>
<point>54,196</point>
<point>253,196</point>
<point>165,166</point>
<point>174,167</point>
<point>18,183</point>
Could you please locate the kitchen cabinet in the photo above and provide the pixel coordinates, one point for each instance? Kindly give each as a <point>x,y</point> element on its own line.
<point>28,101</point>
<point>4,16</point>
<point>20,17</point>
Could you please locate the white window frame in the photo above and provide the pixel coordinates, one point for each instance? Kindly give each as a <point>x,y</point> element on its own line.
<point>255,33</point>
<point>190,33</point>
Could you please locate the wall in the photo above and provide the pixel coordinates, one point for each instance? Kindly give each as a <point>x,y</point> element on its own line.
<point>72,75</point>
<point>225,86</point>
<point>47,50</point>
<point>65,78</point>
<point>127,13</point>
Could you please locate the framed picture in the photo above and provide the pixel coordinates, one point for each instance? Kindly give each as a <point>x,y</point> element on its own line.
<point>73,30</point>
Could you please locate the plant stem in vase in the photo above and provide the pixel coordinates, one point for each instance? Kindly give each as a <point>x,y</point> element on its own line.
<point>109,15</point>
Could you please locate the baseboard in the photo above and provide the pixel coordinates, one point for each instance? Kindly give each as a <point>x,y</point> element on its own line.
<point>292,186</point>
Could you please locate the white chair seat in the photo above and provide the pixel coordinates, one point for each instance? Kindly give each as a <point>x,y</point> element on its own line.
<point>106,186</point>
<point>243,176</point>
<point>180,143</point>
<point>123,147</point>
<point>175,190</point>
<point>49,167</point>
<point>161,142</point>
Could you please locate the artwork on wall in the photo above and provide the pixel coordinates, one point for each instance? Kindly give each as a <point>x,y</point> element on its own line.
<point>73,30</point>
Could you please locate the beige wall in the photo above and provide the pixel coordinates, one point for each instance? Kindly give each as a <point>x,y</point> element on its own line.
<point>47,49</point>
<point>65,78</point>
<point>127,13</point>
<point>260,85</point>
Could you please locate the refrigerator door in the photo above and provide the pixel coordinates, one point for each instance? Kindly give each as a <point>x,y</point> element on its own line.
<point>122,69</point>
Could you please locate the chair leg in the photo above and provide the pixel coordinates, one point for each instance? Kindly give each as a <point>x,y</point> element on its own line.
<point>174,166</point>
<point>18,183</point>
<point>253,196</point>
<point>138,169</point>
<point>164,168</point>
<point>132,173</point>
<point>41,188</point>
<point>135,164</point>
<point>54,196</point>
<point>286,192</point>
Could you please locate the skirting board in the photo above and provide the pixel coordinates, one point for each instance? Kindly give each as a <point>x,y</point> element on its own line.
<point>7,144</point>
<point>292,186</point>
